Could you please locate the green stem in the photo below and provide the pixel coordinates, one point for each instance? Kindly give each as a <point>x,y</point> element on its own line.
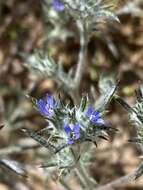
<point>82,54</point>
<point>82,174</point>
<point>80,178</point>
<point>65,185</point>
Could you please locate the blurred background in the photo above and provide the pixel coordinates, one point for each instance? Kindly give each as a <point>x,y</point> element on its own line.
<point>113,49</point>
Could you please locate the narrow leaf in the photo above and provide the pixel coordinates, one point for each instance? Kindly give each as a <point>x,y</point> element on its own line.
<point>105,98</point>
<point>14,166</point>
<point>1,126</point>
<point>41,140</point>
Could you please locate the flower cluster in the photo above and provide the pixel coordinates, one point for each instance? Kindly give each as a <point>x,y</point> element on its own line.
<point>46,107</point>
<point>73,132</point>
<point>95,10</point>
<point>72,128</point>
<point>94,117</point>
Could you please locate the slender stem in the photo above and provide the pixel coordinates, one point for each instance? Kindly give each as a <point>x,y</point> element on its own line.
<point>71,86</point>
<point>85,176</point>
<point>74,86</point>
<point>82,54</point>
<point>80,178</point>
<point>16,149</point>
<point>123,180</point>
<point>65,184</point>
<point>75,96</point>
<point>82,173</point>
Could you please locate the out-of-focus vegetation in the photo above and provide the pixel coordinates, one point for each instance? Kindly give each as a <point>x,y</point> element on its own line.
<point>113,48</point>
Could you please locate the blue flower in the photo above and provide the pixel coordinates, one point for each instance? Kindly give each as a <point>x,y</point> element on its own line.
<point>93,116</point>
<point>46,107</point>
<point>72,132</point>
<point>58,5</point>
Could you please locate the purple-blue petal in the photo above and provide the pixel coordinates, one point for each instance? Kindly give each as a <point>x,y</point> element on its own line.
<point>94,117</point>
<point>47,107</point>
<point>100,122</point>
<point>72,132</point>
<point>70,141</point>
<point>58,5</point>
<point>50,101</point>
<point>67,128</point>
<point>42,107</point>
<point>77,136</point>
<point>76,128</point>
<point>96,114</point>
<point>89,111</point>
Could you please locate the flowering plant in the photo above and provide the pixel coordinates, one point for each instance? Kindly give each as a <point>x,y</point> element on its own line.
<point>73,124</point>
<point>73,130</point>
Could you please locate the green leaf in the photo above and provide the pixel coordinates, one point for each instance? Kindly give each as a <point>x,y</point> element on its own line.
<point>41,140</point>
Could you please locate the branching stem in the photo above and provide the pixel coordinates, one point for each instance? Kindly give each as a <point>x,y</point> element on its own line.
<point>123,180</point>
<point>82,54</point>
